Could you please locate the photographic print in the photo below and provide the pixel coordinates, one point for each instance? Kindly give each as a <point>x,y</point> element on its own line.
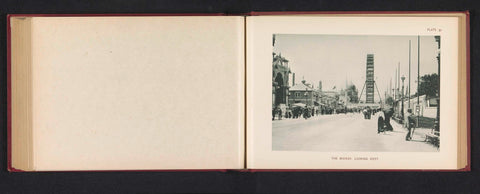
<point>355,93</point>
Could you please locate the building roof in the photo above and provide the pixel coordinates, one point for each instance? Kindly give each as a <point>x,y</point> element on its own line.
<point>301,87</point>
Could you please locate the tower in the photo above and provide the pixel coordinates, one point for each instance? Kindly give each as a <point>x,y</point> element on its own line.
<point>370,84</point>
<point>370,81</point>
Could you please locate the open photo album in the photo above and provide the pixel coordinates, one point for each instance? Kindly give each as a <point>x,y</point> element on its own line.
<point>259,92</point>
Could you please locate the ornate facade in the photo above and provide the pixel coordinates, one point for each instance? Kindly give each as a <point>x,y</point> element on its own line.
<point>280,76</point>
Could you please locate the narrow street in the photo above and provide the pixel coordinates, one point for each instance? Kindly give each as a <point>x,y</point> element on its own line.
<point>344,133</point>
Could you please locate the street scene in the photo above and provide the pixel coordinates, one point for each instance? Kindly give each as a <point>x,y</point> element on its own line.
<point>345,132</point>
<point>355,93</point>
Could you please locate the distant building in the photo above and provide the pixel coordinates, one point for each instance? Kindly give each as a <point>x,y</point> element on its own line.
<point>426,108</point>
<point>303,94</point>
<point>329,98</point>
<point>343,98</point>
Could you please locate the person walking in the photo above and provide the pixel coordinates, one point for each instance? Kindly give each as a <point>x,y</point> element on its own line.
<point>408,124</point>
<point>306,113</point>
<point>279,114</point>
<point>380,122</point>
<point>388,114</point>
<point>274,111</point>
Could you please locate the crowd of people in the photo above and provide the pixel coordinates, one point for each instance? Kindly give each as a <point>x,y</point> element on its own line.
<point>386,115</point>
<point>383,119</point>
<point>294,113</point>
<point>306,112</point>
<point>300,112</point>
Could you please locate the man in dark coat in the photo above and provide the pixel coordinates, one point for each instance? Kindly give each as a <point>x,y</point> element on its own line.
<point>274,111</point>
<point>388,114</point>
<point>306,113</point>
<point>279,114</point>
<point>380,124</point>
<point>409,123</point>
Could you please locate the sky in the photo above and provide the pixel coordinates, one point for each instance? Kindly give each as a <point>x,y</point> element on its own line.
<point>337,59</point>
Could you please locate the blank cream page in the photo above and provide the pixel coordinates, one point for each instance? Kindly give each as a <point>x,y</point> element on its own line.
<point>130,93</point>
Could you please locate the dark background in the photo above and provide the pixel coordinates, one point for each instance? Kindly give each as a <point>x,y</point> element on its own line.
<point>232,181</point>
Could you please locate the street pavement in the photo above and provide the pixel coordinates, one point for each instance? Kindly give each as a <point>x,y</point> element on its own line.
<point>344,133</point>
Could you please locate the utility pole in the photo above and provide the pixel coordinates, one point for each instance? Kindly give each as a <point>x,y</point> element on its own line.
<point>402,113</point>
<point>306,96</point>
<point>418,82</point>
<point>390,88</point>
<point>383,105</point>
<point>398,78</point>
<point>395,87</point>
<point>398,89</point>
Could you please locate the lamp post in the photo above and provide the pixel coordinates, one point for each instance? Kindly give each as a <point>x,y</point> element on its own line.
<point>288,98</point>
<point>409,61</point>
<point>393,104</point>
<point>403,79</point>
<point>306,97</point>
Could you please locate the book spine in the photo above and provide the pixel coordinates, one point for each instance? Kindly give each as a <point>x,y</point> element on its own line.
<point>19,88</point>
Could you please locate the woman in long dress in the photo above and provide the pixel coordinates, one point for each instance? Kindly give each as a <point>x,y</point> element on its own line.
<point>381,122</point>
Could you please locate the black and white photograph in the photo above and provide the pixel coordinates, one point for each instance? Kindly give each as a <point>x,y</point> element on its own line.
<point>355,93</point>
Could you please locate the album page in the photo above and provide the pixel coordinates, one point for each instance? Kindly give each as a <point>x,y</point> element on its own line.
<point>133,93</point>
<point>354,92</point>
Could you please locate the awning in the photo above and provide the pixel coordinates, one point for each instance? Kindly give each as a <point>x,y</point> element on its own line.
<point>299,104</point>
